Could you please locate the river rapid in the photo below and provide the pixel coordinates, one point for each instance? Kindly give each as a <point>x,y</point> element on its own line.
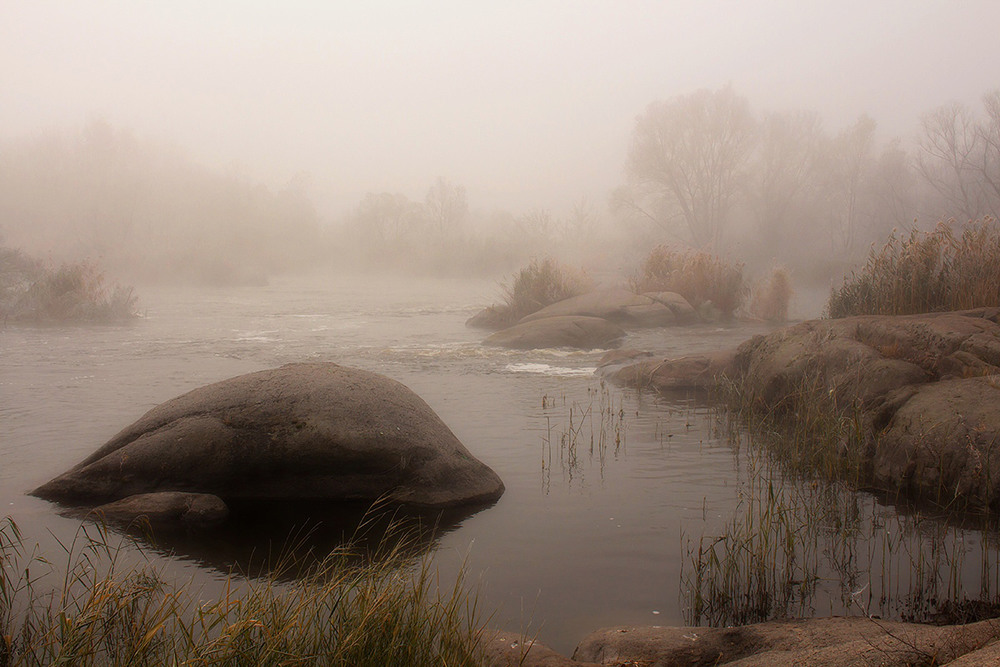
<point>605,486</point>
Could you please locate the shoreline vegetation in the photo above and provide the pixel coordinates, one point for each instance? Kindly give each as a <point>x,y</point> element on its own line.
<point>32,292</point>
<point>93,606</point>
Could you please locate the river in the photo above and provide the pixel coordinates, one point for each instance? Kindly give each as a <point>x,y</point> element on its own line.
<point>583,538</point>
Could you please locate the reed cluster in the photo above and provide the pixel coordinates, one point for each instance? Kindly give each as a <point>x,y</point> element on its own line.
<point>31,292</point>
<point>539,284</point>
<point>699,277</point>
<point>949,268</point>
<point>770,296</point>
<point>585,432</point>
<point>804,538</point>
<point>385,611</point>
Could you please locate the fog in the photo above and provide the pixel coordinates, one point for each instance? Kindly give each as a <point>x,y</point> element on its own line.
<point>310,112</point>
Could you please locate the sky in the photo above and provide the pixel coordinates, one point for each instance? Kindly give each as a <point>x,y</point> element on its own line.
<point>528,104</point>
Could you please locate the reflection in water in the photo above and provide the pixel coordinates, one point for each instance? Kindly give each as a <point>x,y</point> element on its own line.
<point>282,540</point>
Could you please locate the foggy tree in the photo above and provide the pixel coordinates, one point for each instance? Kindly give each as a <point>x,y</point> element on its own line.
<point>893,187</point>
<point>446,206</point>
<point>847,163</point>
<point>385,217</point>
<point>950,145</point>
<point>989,130</point>
<point>783,173</point>
<point>686,158</point>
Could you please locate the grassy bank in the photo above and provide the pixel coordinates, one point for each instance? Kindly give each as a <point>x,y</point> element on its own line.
<point>88,607</point>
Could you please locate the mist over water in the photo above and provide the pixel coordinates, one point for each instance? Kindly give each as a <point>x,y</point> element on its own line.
<point>351,184</point>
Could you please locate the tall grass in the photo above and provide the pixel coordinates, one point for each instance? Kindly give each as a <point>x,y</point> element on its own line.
<point>539,284</point>
<point>945,269</point>
<point>798,540</point>
<point>771,295</point>
<point>102,611</point>
<point>583,432</point>
<point>697,276</point>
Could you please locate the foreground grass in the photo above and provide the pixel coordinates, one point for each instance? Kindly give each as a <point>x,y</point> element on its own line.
<point>385,611</point>
<point>949,268</point>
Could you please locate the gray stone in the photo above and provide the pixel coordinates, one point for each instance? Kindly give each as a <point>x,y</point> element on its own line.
<point>314,431</point>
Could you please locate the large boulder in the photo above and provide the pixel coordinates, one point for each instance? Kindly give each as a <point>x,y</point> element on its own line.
<point>587,333</point>
<point>924,390</point>
<point>657,309</point>
<point>313,431</point>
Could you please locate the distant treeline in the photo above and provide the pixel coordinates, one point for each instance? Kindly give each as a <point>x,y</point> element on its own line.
<point>704,171</point>
<point>146,213</point>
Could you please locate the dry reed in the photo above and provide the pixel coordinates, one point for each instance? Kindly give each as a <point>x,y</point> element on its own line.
<point>699,277</point>
<point>940,270</point>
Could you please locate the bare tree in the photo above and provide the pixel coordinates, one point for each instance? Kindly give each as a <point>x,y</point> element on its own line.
<point>951,145</point>
<point>686,159</point>
<point>846,166</point>
<point>989,133</point>
<point>446,206</point>
<point>782,175</point>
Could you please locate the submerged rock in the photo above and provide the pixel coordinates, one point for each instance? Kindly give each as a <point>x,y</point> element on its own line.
<point>198,510</point>
<point>587,333</point>
<point>313,431</point>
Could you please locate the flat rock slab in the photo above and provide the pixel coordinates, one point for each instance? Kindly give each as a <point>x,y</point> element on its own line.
<point>586,333</point>
<point>818,642</point>
<point>656,309</point>
<point>314,431</point>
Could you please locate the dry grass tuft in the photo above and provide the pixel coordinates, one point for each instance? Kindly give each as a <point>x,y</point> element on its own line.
<point>770,296</point>
<point>30,292</point>
<point>940,270</point>
<point>697,276</point>
<point>541,283</point>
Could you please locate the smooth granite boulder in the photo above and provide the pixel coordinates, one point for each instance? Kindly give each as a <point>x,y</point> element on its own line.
<point>312,431</point>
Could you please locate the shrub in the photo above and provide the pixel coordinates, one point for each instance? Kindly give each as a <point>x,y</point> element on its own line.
<point>925,272</point>
<point>539,284</point>
<point>697,276</point>
<point>71,293</point>
<point>770,296</point>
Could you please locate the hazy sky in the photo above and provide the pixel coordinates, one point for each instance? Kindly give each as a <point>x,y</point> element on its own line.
<point>528,104</point>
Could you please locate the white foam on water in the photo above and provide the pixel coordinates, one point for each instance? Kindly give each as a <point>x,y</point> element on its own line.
<point>546,369</point>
